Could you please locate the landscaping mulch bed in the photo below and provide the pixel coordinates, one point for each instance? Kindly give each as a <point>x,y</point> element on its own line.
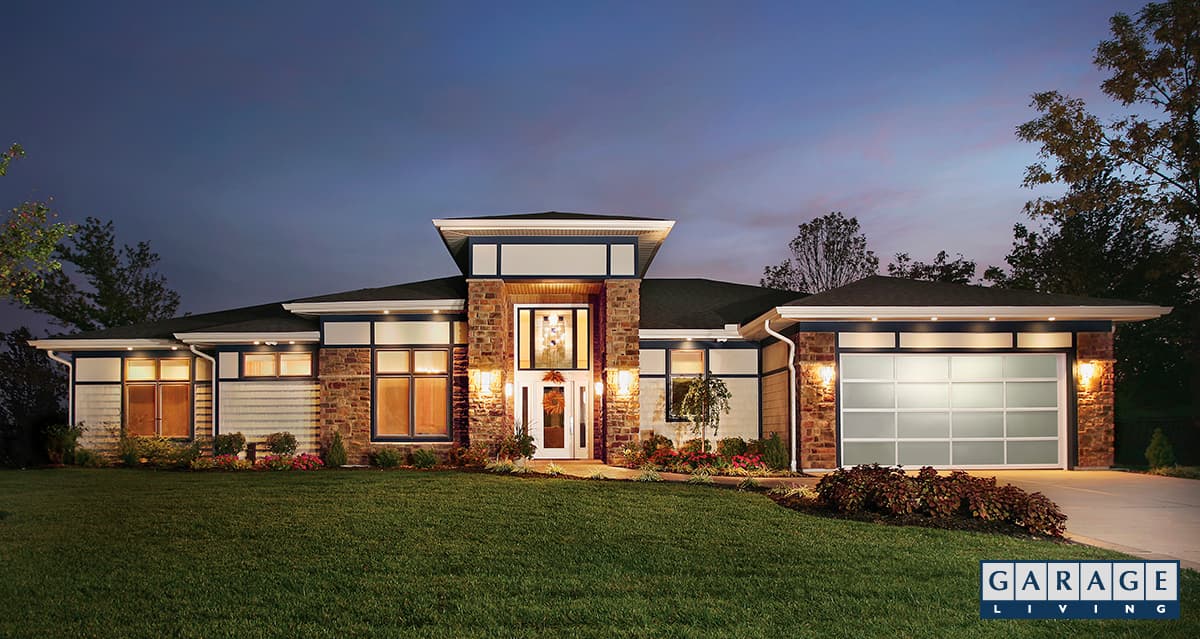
<point>810,506</point>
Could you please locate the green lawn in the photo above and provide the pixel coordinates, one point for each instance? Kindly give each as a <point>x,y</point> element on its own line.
<point>116,553</point>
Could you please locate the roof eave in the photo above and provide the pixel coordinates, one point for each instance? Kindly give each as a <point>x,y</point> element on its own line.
<point>202,338</point>
<point>107,344</point>
<point>730,331</point>
<point>370,307</point>
<point>1011,313</point>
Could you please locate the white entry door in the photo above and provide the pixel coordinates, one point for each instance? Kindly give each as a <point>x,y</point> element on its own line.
<point>557,414</point>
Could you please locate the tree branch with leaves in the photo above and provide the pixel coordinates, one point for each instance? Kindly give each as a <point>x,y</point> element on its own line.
<point>27,241</point>
<point>827,252</point>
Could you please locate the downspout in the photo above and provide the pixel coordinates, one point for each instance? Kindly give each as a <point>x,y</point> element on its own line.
<point>791,388</point>
<point>70,385</point>
<point>212,381</point>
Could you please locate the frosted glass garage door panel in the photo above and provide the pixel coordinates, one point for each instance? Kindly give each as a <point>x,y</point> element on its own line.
<point>1031,366</point>
<point>924,453</point>
<point>922,395</point>
<point>854,453</point>
<point>978,453</point>
<point>869,425</point>
<point>1043,452</point>
<point>982,367</point>
<point>1040,423</point>
<point>918,425</point>
<point>867,367</point>
<point>978,424</point>
<point>922,368</point>
<point>868,395</point>
<point>977,395</point>
<point>1032,394</point>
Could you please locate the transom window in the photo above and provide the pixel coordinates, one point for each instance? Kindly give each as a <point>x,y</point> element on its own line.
<point>553,338</point>
<point>412,393</point>
<point>286,364</point>
<point>158,397</point>
<point>682,366</point>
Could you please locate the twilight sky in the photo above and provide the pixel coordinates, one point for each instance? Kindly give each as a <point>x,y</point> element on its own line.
<point>283,149</point>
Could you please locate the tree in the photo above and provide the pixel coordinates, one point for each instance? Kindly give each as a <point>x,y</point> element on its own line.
<point>27,241</point>
<point>960,270</point>
<point>828,252</point>
<point>1153,151</point>
<point>122,286</point>
<point>31,392</point>
<point>706,400</point>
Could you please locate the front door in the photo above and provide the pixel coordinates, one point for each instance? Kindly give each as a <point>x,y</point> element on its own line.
<point>557,413</point>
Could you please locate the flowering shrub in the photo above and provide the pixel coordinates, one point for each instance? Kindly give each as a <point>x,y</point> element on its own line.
<point>468,457</point>
<point>273,462</point>
<point>747,462</point>
<point>221,462</point>
<point>664,457</point>
<point>890,491</point>
<point>700,459</point>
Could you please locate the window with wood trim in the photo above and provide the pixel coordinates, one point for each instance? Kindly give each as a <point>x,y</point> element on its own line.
<point>682,367</point>
<point>412,393</point>
<point>158,397</point>
<point>553,338</point>
<point>282,364</point>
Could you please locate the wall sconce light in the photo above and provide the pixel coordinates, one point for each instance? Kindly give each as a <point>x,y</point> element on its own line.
<point>1087,371</point>
<point>508,389</point>
<point>826,373</point>
<point>485,382</point>
<point>599,388</point>
<point>624,382</point>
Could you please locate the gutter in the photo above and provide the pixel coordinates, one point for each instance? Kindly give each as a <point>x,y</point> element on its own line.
<point>795,445</point>
<point>213,365</point>
<point>70,385</point>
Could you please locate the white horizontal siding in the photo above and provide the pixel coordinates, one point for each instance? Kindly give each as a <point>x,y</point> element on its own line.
<point>257,409</point>
<point>98,411</point>
<point>203,410</point>
<point>742,420</point>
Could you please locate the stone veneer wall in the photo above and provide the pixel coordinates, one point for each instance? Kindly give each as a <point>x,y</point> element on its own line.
<point>621,309</point>
<point>489,349</point>
<point>816,402</point>
<point>1094,401</point>
<point>345,378</point>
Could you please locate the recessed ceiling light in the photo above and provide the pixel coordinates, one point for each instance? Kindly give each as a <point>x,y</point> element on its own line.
<point>174,348</point>
<point>128,348</point>
<point>256,342</point>
<point>291,341</point>
<point>1051,319</point>
<point>385,311</point>
<point>874,319</point>
<point>991,319</point>
<point>436,311</point>
<point>934,318</point>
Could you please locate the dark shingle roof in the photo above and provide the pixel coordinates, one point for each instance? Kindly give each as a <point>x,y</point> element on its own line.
<point>443,288</point>
<point>878,290</point>
<point>701,303</point>
<point>264,317</point>
<point>557,215</point>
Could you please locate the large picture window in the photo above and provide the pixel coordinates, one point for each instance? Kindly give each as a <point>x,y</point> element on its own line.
<point>412,393</point>
<point>158,397</point>
<point>683,367</point>
<point>553,338</point>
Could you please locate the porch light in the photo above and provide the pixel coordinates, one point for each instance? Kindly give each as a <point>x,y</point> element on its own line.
<point>826,373</point>
<point>485,382</point>
<point>508,389</point>
<point>1087,370</point>
<point>624,382</point>
<point>599,388</point>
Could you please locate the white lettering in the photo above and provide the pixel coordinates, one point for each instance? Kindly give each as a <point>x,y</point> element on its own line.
<point>1062,608</point>
<point>1160,609</point>
<point>1129,609</point>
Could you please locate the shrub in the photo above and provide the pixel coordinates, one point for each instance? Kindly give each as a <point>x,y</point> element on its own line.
<point>230,444</point>
<point>468,457</point>
<point>700,477</point>
<point>655,442</point>
<point>88,458</point>
<point>159,452</point>
<point>774,453</point>
<point>693,446</point>
<point>747,462</point>
<point>385,457</point>
<point>749,483</point>
<point>648,474</point>
<point>598,475</point>
<point>60,442</point>
<point>335,455</point>
<point>500,466</point>
<point>423,458</point>
<point>890,491</point>
<point>283,443</point>
<point>1159,453</point>
<point>554,470</point>
<point>307,461</point>
<point>517,446</point>
<point>230,462</point>
<point>273,462</point>
<point>202,463</point>
<point>663,457</point>
<point>731,447</point>
<point>633,456</point>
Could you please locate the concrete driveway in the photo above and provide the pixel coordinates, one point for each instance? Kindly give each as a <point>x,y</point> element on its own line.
<point>1143,515</point>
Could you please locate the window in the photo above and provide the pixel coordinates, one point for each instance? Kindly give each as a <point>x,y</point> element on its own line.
<point>287,364</point>
<point>158,397</point>
<point>412,393</point>
<point>553,338</point>
<point>683,367</point>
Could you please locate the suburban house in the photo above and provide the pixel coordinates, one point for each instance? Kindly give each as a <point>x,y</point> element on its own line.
<point>555,309</point>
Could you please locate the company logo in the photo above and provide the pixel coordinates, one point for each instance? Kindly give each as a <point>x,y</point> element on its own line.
<point>1079,590</point>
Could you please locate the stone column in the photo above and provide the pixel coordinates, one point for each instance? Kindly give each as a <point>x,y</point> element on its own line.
<point>489,353</point>
<point>621,308</point>
<point>816,401</point>
<point>1094,401</point>
<point>345,378</point>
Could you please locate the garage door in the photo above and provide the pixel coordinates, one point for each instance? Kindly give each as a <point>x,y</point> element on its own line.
<point>978,410</point>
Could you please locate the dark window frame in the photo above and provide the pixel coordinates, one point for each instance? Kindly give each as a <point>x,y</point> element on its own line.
<point>412,375</point>
<point>573,312</point>
<point>157,383</point>
<point>671,377</point>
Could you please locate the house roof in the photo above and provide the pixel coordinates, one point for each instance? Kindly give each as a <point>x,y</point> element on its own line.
<point>704,303</point>
<point>558,215</point>
<point>879,290</point>
<point>249,319</point>
<point>442,288</point>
